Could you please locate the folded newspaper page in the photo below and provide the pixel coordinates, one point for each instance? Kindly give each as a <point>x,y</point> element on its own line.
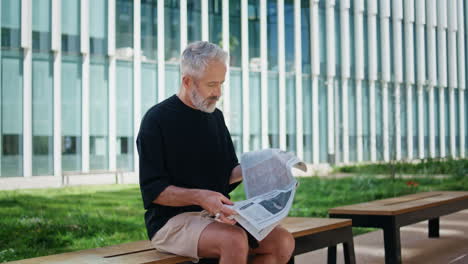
<point>269,187</point>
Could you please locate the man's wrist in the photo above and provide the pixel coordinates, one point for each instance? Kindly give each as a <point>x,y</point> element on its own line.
<point>196,196</point>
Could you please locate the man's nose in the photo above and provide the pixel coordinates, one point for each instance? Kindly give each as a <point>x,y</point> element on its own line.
<point>217,91</point>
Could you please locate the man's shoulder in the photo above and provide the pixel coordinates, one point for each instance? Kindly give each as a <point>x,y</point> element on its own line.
<point>157,113</point>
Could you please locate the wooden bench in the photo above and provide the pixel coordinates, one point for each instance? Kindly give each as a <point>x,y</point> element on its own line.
<point>310,234</point>
<point>391,214</point>
<point>118,174</point>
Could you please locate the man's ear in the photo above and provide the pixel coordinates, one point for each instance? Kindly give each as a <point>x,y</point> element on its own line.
<point>187,81</point>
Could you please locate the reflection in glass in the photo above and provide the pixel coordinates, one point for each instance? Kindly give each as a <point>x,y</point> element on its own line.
<point>273,110</point>
<point>307,117</point>
<point>305,36</point>
<point>235,36</point>
<point>272,34</point>
<point>11,23</point>
<point>70,26</point>
<point>98,27</point>
<point>172,30</point>
<point>255,111</point>
<point>124,26</point>
<point>71,113</point>
<point>99,114</point>
<point>11,91</point>
<point>290,113</point>
<point>323,122</point>
<point>215,13</point>
<point>149,30</point>
<point>149,81</point>
<point>124,97</point>
<point>42,114</point>
<point>11,114</point>
<point>41,25</point>
<point>236,109</point>
<point>289,34</point>
<point>254,34</point>
<point>194,28</point>
<point>172,79</point>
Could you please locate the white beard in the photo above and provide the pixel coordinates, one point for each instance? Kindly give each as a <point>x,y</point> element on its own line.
<point>202,104</point>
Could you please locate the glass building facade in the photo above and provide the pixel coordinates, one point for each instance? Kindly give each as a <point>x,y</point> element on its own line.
<point>333,81</point>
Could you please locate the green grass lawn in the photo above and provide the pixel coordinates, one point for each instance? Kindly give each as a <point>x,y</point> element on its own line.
<point>50,221</point>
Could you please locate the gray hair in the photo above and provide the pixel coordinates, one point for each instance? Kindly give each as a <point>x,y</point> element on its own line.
<point>197,55</point>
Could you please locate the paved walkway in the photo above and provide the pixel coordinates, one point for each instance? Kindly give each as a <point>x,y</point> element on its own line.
<point>417,248</point>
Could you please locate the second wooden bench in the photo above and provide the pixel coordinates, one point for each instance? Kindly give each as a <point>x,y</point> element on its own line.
<point>391,214</point>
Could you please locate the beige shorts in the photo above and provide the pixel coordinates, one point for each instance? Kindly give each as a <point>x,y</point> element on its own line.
<point>181,233</point>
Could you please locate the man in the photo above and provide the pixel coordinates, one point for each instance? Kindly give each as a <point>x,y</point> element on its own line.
<point>188,166</point>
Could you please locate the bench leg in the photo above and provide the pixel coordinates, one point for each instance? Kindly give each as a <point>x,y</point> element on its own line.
<point>331,257</point>
<point>434,226</point>
<point>348,250</point>
<point>392,244</point>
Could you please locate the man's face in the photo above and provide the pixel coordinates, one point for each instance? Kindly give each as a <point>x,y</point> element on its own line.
<point>205,91</point>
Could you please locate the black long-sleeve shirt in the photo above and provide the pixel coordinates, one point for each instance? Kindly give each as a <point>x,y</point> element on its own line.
<point>184,147</point>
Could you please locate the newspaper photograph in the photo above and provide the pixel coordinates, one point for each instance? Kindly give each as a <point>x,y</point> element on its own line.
<point>269,188</point>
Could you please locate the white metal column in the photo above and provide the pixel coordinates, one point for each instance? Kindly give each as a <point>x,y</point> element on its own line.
<point>85,68</point>
<point>461,74</point>
<point>397,20</point>
<point>26,44</point>
<point>442,70</point>
<point>227,88</point>
<point>281,75</point>
<point>386,71</point>
<point>161,49</point>
<point>359,58</point>
<point>183,25</point>
<point>298,73</point>
<point>345,74</point>
<point>204,22</point>
<point>409,20</point>
<point>330,40</point>
<point>245,76</point>
<point>57,105</point>
<point>136,78</point>
<point>452,69</point>
<point>112,104</point>
<point>264,72</point>
<point>431,23</point>
<point>373,74</point>
<point>315,72</point>
<point>421,71</point>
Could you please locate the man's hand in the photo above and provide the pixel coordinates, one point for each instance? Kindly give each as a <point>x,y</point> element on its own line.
<point>211,201</point>
<point>214,202</point>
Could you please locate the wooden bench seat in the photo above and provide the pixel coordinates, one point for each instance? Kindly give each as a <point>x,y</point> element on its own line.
<point>310,234</point>
<point>391,214</point>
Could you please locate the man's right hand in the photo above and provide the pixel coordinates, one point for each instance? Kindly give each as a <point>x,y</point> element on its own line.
<point>214,202</point>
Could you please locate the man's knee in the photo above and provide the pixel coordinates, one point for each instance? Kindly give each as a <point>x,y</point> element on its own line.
<point>284,245</point>
<point>234,242</point>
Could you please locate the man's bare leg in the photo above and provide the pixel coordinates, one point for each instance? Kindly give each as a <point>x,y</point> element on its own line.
<point>276,248</point>
<point>224,241</point>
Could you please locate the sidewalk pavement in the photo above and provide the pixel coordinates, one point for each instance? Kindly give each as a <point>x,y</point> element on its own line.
<point>417,248</point>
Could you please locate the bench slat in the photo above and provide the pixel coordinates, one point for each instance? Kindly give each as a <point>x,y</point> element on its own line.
<point>402,204</point>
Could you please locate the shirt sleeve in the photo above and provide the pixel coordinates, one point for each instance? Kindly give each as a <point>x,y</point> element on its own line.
<point>153,176</point>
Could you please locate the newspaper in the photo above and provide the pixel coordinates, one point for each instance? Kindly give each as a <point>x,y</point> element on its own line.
<point>269,187</point>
